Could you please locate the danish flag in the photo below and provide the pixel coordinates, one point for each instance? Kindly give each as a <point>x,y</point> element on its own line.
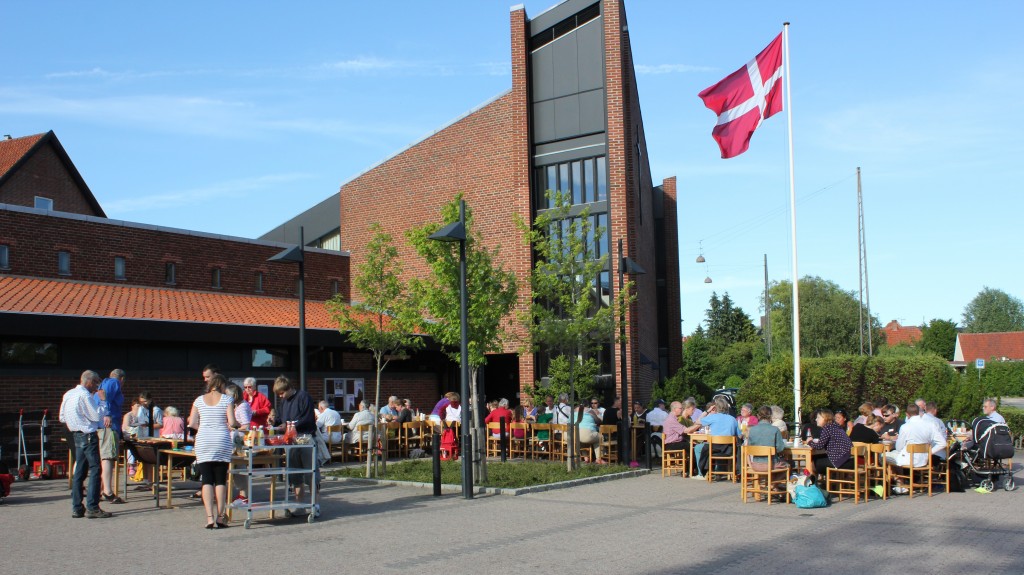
<point>744,98</point>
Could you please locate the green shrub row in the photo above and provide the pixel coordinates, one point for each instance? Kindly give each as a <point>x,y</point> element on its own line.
<point>848,381</point>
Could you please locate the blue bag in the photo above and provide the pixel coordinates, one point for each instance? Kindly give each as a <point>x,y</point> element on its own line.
<point>809,497</point>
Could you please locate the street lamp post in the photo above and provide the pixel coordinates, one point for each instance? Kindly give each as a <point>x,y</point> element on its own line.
<point>456,232</point>
<point>296,255</point>
<point>626,266</point>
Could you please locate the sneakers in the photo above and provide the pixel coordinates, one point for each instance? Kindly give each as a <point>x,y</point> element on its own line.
<point>698,476</point>
<point>78,514</point>
<point>240,501</point>
<point>898,490</point>
<point>97,514</point>
<point>316,510</point>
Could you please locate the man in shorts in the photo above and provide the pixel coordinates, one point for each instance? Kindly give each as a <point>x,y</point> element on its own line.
<point>109,434</point>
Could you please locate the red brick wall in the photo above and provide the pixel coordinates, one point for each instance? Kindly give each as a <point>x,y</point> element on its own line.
<point>45,175</point>
<point>674,311</point>
<point>35,239</point>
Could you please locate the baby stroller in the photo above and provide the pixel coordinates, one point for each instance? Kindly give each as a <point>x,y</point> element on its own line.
<point>981,460</point>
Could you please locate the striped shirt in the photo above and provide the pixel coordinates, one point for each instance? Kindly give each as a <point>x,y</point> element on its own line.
<point>78,411</point>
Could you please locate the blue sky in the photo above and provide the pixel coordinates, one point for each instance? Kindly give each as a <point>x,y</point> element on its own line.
<point>232,117</point>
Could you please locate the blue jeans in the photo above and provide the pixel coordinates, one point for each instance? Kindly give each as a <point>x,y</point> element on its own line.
<point>87,462</point>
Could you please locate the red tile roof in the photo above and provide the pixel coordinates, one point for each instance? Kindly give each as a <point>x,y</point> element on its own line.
<point>13,150</point>
<point>990,346</point>
<point>896,334</point>
<point>78,299</point>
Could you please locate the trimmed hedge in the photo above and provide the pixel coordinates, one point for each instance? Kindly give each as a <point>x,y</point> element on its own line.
<point>1014,419</point>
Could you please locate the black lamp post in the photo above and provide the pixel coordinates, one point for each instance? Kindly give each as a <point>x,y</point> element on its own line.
<point>626,266</point>
<point>289,256</point>
<point>456,232</point>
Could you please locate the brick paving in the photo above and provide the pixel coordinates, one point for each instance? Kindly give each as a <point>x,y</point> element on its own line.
<point>645,524</point>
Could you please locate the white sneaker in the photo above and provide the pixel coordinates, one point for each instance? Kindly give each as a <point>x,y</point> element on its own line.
<point>240,502</point>
<point>698,476</point>
<point>900,490</point>
<point>316,510</point>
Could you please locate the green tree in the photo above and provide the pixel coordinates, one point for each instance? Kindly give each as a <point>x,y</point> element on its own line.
<point>727,322</point>
<point>993,310</point>
<point>570,316</point>
<point>829,318</point>
<point>384,322</point>
<point>491,294</point>
<point>939,337</point>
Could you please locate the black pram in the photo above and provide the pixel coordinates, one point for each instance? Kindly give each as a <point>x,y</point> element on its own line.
<point>982,459</point>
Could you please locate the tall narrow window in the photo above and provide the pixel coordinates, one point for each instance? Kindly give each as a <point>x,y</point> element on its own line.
<point>43,203</point>
<point>334,287</point>
<point>64,263</point>
<point>5,258</point>
<point>259,282</point>
<point>118,267</point>
<point>170,273</point>
<point>215,278</point>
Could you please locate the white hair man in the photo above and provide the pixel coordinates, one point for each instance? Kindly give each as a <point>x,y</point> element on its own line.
<point>327,417</point>
<point>362,417</point>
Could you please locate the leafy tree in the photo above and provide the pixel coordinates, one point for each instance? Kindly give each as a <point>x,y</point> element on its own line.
<point>829,318</point>
<point>939,337</point>
<point>993,310</point>
<point>491,294</point>
<point>728,323</point>
<point>570,317</point>
<point>384,323</point>
<point>698,354</point>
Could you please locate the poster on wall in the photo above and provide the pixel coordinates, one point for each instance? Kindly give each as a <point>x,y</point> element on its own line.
<point>345,393</point>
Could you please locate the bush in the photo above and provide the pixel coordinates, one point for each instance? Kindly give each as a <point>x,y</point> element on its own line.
<point>1014,419</point>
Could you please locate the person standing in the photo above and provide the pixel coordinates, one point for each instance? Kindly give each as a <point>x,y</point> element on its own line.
<point>214,414</point>
<point>258,403</point>
<point>83,417</point>
<point>151,417</point>
<point>109,433</point>
<point>296,406</point>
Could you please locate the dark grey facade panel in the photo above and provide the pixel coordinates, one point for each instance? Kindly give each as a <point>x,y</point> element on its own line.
<point>544,121</point>
<point>556,14</point>
<point>566,65</point>
<point>590,46</point>
<point>592,112</point>
<point>542,74</point>
<point>318,221</point>
<point>567,116</point>
<point>568,150</point>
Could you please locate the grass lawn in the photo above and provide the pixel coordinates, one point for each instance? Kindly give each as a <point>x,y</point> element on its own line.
<point>511,475</point>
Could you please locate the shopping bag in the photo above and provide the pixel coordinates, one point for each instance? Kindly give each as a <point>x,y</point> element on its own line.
<point>809,497</point>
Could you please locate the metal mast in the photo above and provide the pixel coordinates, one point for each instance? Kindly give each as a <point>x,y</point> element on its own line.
<point>862,261</point>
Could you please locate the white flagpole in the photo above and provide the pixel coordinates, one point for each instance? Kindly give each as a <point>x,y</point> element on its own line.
<point>792,223</point>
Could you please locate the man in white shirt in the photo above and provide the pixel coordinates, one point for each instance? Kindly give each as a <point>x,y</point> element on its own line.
<point>82,417</point>
<point>561,412</point>
<point>930,414</point>
<point>917,430</point>
<point>657,415</point>
<point>327,417</point>
<point>989,408</point>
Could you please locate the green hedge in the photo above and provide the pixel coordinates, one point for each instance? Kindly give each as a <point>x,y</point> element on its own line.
<point>1014,419</point>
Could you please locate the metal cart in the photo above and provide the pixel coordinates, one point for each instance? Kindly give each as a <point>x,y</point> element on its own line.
<point>255,474</point>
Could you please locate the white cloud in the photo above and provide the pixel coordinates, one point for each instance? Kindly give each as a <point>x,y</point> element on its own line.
<point>670,68</point>
<point>227,189</point>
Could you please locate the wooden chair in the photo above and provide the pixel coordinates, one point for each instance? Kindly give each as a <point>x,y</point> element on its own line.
<point>518,446</point>
<point>557,445</point>
<point>728,460</point>
<point>494,440</point>
<point>876,470</point>
<point>539,440</point>
<point>751,478</point>
<point>391,438</point>
<point>917,477</point>
<point>361,448</point>
<point>337,448</point>
<point>850,481</point>
<point>940,475</point>
<point>609,442</point>
<point>672,460</point>
<point>412,436</point>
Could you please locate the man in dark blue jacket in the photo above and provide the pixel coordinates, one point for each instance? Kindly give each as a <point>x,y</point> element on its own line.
<point>109,433</point>
<point>296,406</point>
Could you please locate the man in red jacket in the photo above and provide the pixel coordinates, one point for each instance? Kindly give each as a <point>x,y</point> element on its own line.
<point>258,402</point>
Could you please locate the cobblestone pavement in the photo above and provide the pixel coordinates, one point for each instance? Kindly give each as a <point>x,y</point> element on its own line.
<point>645,524</point>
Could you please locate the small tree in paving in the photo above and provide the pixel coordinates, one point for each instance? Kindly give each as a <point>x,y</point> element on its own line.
<point>385,321</point>
<point>491,293</point>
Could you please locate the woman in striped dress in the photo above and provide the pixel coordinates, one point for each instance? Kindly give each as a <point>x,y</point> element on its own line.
<point>214,414</point>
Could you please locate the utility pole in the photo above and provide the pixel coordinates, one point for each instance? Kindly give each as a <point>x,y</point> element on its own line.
<point>862,262</point>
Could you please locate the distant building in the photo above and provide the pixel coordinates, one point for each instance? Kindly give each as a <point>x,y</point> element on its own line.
<point>1000,346</point>
<point>896,334</point>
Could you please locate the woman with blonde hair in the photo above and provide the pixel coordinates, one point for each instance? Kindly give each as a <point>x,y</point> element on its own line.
<point>174,425</point>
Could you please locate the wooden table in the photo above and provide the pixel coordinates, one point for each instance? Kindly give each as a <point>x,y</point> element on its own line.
<point>267,458</point>
<point>804,453</point>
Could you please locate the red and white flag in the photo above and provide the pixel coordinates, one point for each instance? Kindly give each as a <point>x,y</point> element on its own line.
<point>744,98</point>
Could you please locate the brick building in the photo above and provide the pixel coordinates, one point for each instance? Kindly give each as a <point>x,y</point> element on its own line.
<point>570,121</point>
<point>81,291</point>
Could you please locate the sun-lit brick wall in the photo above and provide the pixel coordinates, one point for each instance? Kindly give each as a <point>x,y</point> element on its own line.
<point>43,174</point>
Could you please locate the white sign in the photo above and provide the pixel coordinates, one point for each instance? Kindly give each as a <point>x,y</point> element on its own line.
<point>979,363</point>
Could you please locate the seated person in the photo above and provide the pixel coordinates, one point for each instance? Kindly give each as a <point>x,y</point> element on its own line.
<point>526,411</point>
<point>437,414</point>
<point>916,430</point>
<point>746,417</point>
<point>174,425</point>
<point>327,417</point>
<point>720,423</point>
<point>779,422</point>
<point>404,412</point>
<point>867,408</point>
<point>891,423</point>
<point>842,420</point>
<point>834,441</point>
<point>500,411</point>
<point>612,415</point>
<point>766,434</point>
<point>866,432</point>
<point>362,417</point>
<point>453,412</point>
<point>811,431</point>
<point>678,425</point>
<point>590,435</point>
